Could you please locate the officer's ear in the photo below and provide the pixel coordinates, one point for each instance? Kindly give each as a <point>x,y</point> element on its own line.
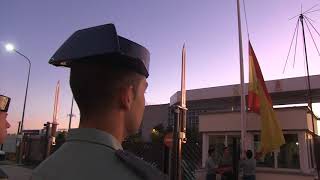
<point>126,97</point>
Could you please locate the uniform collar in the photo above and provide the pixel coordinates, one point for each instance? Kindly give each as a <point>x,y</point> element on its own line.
<point>94,136</point>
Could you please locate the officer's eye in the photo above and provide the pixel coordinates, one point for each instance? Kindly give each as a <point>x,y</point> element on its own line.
<point>145,90</point>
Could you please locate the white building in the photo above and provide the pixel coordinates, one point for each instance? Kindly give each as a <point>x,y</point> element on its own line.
<point>215,113</point>
<point>153,116</point>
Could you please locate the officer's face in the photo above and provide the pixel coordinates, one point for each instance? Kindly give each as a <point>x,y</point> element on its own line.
<point>4,125</point>
<point>137,109</point>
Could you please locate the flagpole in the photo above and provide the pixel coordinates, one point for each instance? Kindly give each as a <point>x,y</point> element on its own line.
<point>179,130</point>
<point>243,103</point>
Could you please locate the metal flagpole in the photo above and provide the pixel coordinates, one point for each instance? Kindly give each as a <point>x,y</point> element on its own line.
<point>179,132</point>
<point>243,103</point>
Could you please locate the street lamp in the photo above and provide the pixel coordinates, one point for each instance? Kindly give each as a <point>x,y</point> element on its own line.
<point>10,48</point>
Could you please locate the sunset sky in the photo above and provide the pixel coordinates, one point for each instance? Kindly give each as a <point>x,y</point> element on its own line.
<point>209,29</point>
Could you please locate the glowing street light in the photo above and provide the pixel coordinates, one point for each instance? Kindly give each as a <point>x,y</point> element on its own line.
<point>9,47</point>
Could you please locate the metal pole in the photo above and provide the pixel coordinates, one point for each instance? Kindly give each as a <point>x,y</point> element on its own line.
<point>308,80</point>
<point>70,115</point>
<point>26,93</point>
<point>25,101</point>
<point>47,138</point>
<point>243,103</point>
<point>18,131</point>
<point>179,138</point>
<point>179,131</point>
<point>176,168</point>
<point>308,76</point>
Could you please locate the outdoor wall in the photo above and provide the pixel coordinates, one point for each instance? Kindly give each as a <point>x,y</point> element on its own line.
<point>153,115</point>
<point>293,120</point>
<point>273,86</point>
<point>289,118</point>
<point>9,145</point>
<point>309,123</point>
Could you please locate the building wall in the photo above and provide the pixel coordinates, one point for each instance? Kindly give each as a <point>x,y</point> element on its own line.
<point>309,123</point>
<point>303,152</point>
<point>274,86</point>
<point>9,145</point>
<point>289,119</point>
<point>153,115</point>
<point>227,98</point>
<point>294,120</point>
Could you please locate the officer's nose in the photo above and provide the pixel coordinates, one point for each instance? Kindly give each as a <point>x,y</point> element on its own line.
<point>8,125</point>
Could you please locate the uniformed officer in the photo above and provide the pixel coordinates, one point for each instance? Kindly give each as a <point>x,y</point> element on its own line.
<point>108,81</point>
<point>4,125</point>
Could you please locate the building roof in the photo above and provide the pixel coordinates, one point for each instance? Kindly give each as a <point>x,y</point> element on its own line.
<point>283,91</point>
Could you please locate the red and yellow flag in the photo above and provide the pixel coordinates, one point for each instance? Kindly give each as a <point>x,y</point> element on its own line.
<point>259,101</point>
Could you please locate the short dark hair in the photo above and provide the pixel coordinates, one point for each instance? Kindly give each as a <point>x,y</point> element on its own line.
<point>95,86</point>
<point>249,154</point>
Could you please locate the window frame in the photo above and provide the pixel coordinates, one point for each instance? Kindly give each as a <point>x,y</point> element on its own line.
<point>276,153</point>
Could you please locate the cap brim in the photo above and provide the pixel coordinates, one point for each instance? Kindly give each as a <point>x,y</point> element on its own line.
<point>4,103</point>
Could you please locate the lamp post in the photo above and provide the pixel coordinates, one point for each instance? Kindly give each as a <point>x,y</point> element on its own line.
<point>11,48</point>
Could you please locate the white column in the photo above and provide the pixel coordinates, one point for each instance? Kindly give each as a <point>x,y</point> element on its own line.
<point>308,151</point>
<point>205,148</point>
<point>303,152</point>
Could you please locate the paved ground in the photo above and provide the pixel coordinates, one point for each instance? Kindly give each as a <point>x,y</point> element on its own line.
<point>15,172</point>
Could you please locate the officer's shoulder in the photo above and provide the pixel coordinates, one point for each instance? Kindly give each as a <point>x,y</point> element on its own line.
<point>139,166</point>
<point>105,164</point>
<point>3,175</point>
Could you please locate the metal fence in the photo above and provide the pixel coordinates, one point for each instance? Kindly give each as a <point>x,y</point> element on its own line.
<point>158,156</point>
<point>191,160</point>
<point>153,153</point>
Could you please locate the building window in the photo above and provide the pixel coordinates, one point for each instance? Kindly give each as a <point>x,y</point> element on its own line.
<point>268,159</point>
<point>287,157</point>
<point>218,142</point>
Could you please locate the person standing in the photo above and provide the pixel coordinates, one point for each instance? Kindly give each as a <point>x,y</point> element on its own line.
<point>211,165</point>
<point>225,165</point>
<point>249,166</point>
<point>4,125</point>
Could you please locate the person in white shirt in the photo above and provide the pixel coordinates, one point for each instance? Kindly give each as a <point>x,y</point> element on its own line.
<point>249,166</point>
<point>211,165</point>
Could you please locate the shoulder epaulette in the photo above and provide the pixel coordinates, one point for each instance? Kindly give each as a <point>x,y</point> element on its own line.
<point>3,175</point>
<point>141,167</point>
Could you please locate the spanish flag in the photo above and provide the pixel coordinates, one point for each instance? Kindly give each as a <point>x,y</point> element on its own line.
<point>259,101</point>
